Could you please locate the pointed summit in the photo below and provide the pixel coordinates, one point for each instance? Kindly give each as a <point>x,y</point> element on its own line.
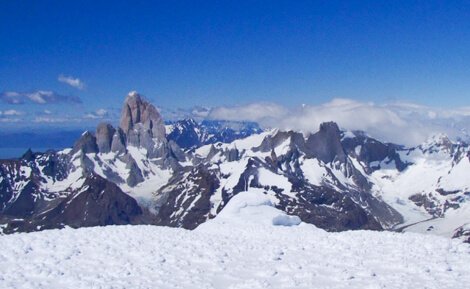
<point>143,125</point>
<point>137,110</point>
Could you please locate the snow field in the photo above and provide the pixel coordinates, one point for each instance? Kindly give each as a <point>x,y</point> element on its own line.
<point>240,248</point>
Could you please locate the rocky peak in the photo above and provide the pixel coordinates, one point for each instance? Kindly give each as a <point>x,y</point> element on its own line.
<point>143,125</point>
<point>104,137</point>
<point>186,133</point>
<point>330,128</point>
<point>436,143</point>
<point>137,110</point>
<point>28,155</point>
<point>326,143</point>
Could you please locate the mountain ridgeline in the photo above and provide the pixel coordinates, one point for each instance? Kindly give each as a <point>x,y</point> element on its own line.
<point>183,173</point>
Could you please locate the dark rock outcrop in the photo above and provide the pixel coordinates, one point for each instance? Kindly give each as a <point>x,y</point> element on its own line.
<point>368,150</point>
<point>97,202</point>
<point>86,143</point>
<point>326,144</point>
<point>463,233</point>
<point>192,201</point>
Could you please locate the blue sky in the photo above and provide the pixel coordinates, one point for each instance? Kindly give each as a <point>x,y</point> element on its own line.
<point>226,53</point>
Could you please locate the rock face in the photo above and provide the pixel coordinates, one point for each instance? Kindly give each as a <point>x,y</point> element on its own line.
<point>118,143</point>
<point>104,137</point>
<point>372,151</point>
<point>97,202</point>
<point>326,143</point>
<point>463,233</point>
<point>86,143</point>
<point>138,111</point>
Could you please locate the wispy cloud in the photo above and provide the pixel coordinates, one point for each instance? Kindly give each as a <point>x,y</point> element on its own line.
<point>54,119</point>
<point>197,112</point>
<point>38,97</point>
<point>72,81</point>
<point>9,120</point>
<point>11,112</point>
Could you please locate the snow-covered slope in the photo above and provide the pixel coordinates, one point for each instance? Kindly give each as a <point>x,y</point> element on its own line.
<point>432,193</point>
<point>246,246</point>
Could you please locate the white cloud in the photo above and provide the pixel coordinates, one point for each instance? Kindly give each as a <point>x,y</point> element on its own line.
<point>72,81</point>
<point>403,123</point>
<point>98,114</point>
<point>11,112</point>
<point>45,96</point>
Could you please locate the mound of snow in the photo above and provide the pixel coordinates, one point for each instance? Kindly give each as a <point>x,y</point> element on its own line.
<point>252,208</point>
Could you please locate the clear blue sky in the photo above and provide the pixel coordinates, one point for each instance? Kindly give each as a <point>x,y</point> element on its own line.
<point>185,53</point>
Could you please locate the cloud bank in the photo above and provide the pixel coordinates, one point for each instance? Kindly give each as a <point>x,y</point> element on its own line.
<point>37,97</point>
<point>403,123</point>
<point>72,81</point>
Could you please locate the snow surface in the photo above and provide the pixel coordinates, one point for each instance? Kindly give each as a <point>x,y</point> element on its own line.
<point>240,248</point>
<point>313,171</point>
<point>268,178</point>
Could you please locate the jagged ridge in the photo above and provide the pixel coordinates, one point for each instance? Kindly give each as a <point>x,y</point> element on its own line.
<point>334,179</point>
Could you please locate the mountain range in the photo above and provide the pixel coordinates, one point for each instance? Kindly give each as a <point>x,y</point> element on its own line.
<point>183,173</point>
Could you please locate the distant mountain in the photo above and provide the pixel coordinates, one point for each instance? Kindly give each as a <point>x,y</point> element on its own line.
<point>189,134</point>
<point>146,172</point>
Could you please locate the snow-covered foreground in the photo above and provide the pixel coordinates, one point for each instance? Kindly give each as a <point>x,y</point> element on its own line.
<point>249,245</point>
